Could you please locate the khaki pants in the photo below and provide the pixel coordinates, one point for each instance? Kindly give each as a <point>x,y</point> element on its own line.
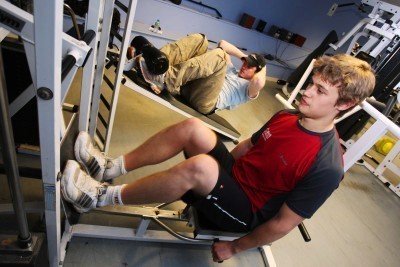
<point>194,73</point>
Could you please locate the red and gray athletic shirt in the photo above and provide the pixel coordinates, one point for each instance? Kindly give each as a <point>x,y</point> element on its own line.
<point>289,164</point>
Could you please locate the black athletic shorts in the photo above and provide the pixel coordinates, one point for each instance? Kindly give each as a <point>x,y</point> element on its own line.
<point>227,206</point>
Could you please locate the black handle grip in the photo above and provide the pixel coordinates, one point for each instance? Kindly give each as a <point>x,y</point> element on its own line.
<point>304,232</point>
<point>67,64</point>
<point>88,36</point>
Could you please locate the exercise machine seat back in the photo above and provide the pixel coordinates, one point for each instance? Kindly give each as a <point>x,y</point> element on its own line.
<point>296,75</point>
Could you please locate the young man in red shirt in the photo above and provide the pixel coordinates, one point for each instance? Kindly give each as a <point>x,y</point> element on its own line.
<point>266,185</point>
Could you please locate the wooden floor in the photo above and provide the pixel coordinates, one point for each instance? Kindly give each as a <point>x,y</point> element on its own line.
<point>357,226</point>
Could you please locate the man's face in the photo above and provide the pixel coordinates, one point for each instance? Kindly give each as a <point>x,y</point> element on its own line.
<point>247,72</point>
<point>319,100</point>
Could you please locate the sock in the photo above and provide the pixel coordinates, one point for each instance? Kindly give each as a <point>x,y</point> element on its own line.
<point>112,196</point>
<point>115,168</point>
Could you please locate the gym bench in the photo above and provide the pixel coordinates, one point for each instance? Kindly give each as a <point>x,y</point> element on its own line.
<point>176,103</point>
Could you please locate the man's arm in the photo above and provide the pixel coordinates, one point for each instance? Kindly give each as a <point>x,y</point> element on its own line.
<point>266,233</point>
<point>241,148</point>
<point>231,50</point>
<point>257,82</point>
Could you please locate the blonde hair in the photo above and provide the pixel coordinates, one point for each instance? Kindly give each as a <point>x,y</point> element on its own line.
<point>354,78</point>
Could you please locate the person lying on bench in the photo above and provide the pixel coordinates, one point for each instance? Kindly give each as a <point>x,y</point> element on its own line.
<point>206,79</point>
<point>265,186</point>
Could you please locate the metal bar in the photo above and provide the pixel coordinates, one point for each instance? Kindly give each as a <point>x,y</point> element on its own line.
<point>97,231</point>
<point>304,233</point>
<point>103,121</point>
<point>48,53</point>
<point>142,228</point>
<point>108,82</point>
<point>100,136</point>
<point>267,256</point>
<point>210,7</point>
<point>365,142</point>
<point>67,64</point>
<point>116,34</point>
<point>121,6</point>
<point>69,10</point>
<point>104,100</point>
<point>142,212</point>
<point>11,164</point>
<point>353,31</point>
<point>101,62</point>
<point>180,236</point>
<point>121,63</point>
<point>22,99</point>
<point>17,21</point>
<point>303,79</point>
<point>92,24</point>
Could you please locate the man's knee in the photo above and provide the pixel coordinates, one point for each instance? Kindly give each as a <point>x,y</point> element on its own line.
<point>200,41</point>
<point>220,52</point>
<point>200,165</point>
<point>191,125</point>
<point>197,137</point>
<point>192,122</point>
<point>201,172</point>
<point>198,37</point>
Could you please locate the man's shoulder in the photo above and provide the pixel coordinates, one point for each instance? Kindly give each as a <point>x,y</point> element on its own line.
<point>286,113</point>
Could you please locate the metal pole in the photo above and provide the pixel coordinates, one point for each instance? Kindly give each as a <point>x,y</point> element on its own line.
<point>11,164</point>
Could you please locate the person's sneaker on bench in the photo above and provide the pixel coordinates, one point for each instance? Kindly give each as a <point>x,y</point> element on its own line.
<point>78,188</point>
<point>95,163</point>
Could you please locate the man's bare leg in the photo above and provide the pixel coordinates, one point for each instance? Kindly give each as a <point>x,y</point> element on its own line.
<point>199,174</point>
<point>191,136</point>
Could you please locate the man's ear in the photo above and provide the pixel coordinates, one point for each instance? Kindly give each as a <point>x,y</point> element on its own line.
<point>345,105</point>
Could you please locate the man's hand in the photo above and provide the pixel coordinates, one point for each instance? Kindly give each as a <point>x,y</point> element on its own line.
<point>273,229</point>
<point>222,250</point>
<point>231,49</point>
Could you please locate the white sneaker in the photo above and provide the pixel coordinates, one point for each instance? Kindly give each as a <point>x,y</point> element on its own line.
<point>92,159</point>
<point>79,188</point>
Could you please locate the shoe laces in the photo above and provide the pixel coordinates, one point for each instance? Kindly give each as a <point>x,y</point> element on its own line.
<point>107,160</point>
<point>102,189</point>
<point>108,164</point>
